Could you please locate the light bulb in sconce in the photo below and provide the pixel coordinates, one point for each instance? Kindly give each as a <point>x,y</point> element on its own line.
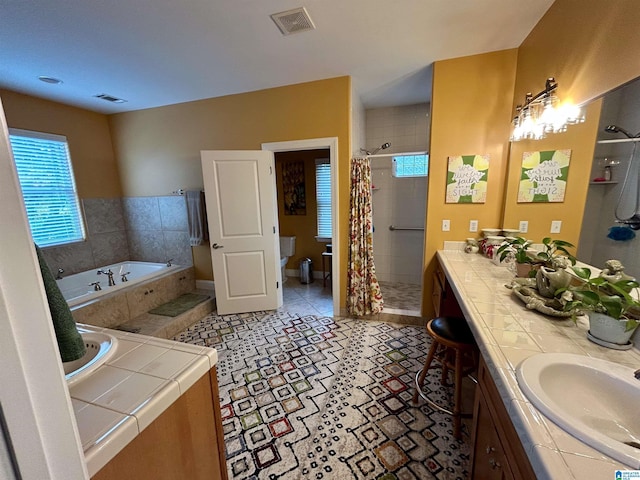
<point>542,114</point>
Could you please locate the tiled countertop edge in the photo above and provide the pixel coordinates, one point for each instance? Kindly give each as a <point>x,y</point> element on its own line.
<point>119,427</point>
<point>552,452</point>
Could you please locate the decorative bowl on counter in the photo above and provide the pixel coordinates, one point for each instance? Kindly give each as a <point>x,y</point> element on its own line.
<point>511,232</point>
<point>487,232</point>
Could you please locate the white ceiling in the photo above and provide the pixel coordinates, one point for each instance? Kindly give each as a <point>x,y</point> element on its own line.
<point>161,52</point>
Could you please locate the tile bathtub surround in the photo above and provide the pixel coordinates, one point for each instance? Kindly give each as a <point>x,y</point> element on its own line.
<point>113,310</point>
<point>141,380</point>
<point>507,333</point>
<point>106,241</point>
<point>157,229</point>
<point>148,229</point>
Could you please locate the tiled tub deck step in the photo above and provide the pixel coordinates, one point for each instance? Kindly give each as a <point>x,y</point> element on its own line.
<point>162,326</point>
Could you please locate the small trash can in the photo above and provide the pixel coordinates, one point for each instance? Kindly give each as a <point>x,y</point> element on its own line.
<point>306,270</point>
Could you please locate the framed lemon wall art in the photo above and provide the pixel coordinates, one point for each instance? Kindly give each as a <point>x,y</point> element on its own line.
<point>467,179</point>
<point>544,176</point>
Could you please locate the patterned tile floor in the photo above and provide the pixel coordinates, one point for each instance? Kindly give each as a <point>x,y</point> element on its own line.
<point>306,395</point>
<point>401,296</point>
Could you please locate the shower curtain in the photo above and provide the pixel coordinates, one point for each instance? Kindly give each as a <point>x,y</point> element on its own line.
<point>363,295</point>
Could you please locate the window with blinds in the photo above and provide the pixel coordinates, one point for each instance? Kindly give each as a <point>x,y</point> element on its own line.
<point>323,197</point>
<point>48,187</point>
<point>410,165</point>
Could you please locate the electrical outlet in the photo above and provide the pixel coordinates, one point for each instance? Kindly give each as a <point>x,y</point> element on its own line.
<point>555,226</point>
<point>473,225</point>
<point>524,226</point>
<point>446,225</point>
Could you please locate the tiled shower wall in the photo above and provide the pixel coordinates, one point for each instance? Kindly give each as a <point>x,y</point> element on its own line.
<point>398,201</point>
<point>150,229</point>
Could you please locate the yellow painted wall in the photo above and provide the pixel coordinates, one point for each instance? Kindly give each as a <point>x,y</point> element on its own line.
<point>589,46</point>
<point>303,227</point>
<point>158,149</point>
<point>88,136</point>
<point>471,109</point>
<point>580,139</point>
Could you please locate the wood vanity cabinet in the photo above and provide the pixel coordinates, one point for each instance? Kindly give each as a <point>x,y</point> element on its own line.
<point>444,300</point>
<point>184,442</point>
<point>497,451</point>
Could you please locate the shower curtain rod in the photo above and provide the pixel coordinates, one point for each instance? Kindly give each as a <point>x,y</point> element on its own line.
<point>396,154</point>
<point>619,140</point>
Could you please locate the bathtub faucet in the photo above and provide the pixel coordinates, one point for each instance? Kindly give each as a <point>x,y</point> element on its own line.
<point>169,262</point>
<point>112,282</point>
<point>59,275</point>
<point>124,276</point>
<point>96,286</point>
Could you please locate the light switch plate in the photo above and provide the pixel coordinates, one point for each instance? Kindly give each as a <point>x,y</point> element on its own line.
<point>556,225</point>
<point>524,226</point>
<point>446,225</point>
<point>473,225</point>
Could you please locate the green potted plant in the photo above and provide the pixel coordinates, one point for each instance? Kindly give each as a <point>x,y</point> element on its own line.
<point>553,248</point>
<point>612,308</point>
<point>520,248</point>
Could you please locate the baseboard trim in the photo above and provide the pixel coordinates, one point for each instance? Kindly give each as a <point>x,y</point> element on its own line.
<point>206,285</point>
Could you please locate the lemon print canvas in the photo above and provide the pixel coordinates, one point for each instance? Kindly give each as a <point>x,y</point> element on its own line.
<point>467,179</point>
<point>544,176</point>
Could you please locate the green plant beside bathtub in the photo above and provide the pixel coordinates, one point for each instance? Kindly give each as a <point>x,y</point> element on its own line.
<point>600,296</point>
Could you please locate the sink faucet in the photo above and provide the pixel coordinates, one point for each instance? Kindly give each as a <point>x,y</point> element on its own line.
<point>112,282</point>
<point>59,275</point>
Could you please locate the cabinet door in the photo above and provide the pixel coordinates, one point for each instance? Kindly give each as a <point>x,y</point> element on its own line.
<point>489,460</point>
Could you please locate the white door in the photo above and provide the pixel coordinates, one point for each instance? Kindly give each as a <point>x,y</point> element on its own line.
<point>240,193</point>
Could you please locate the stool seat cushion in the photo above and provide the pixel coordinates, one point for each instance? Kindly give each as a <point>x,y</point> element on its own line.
<point>453,329</point>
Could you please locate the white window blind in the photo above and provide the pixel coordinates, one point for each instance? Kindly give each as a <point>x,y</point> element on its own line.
<point>48,187</point>
<point>410,165</point>
<point>323,197</point>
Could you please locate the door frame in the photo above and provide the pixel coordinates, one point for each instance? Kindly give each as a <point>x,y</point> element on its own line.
<point>313,144</point>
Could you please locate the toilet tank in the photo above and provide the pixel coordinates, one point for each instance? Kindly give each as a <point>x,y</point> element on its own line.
<point>287,246</point>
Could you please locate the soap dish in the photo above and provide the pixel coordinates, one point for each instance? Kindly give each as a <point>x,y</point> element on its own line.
<point>615,346</point>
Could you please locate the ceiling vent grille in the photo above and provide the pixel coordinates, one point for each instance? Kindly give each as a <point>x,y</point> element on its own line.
<point>293,21</point>
<point>109,98</point>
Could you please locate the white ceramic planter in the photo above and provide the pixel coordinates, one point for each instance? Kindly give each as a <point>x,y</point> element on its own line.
<point>609,329</point>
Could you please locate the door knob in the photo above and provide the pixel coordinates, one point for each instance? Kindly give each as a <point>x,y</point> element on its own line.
<point>215,246</point>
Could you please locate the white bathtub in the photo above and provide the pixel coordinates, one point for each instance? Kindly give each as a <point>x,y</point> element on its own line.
<point>76,288</point>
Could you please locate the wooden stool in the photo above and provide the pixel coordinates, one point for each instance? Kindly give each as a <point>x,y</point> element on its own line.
<point>454,347</point>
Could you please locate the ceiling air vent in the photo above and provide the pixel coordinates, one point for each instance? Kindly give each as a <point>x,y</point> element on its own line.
<point>293,21</point>
<point>110,98</point>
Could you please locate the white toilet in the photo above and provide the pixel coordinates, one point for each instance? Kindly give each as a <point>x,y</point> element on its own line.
<point>287,249</point>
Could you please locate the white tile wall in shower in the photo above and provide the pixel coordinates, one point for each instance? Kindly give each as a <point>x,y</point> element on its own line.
<point>405,127</point>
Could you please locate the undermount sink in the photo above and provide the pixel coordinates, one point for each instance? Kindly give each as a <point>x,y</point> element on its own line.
<point>594,400</point>
<point>100,347</point>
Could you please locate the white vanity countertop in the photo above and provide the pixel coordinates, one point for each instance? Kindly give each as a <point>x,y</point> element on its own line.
<point>507,333</point>
<point>140,380</point>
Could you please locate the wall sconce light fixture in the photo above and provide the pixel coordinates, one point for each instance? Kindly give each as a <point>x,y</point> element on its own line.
<point>542,114</point>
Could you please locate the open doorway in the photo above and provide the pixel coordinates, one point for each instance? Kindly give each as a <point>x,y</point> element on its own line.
<point>301,218</point>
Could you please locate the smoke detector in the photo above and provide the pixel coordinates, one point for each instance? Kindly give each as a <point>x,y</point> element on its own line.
<point>293,21</point>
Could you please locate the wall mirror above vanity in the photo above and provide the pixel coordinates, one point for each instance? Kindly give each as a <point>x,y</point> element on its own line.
<point>596,185</point>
